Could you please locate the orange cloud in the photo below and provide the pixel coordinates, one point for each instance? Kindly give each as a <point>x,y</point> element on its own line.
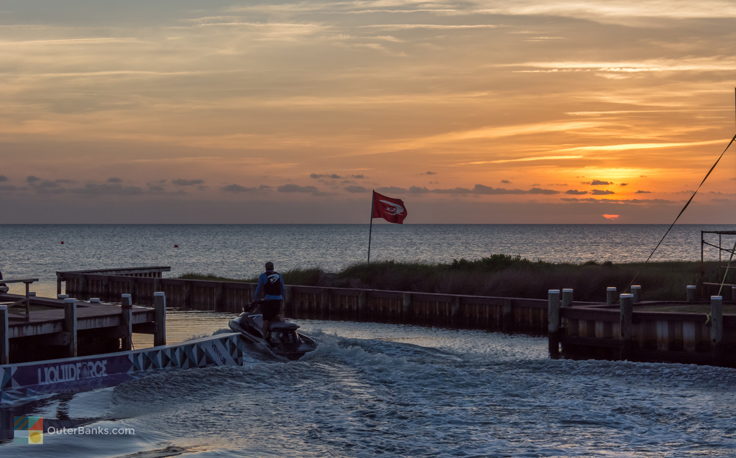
<point>610,217</point>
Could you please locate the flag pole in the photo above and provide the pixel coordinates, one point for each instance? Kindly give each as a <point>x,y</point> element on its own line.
<point>370,226</point>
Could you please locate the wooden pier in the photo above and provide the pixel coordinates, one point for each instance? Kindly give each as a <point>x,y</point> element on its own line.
<point>674,331</point>
<point>624,327</point>
<point>46,328</point>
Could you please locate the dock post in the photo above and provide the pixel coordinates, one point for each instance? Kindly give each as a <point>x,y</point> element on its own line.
<point>362,299</point>
<point>611,295</point>
<point>28,300</point>
<point>5,337</point>
<point>553,322</point>
<point>159,302</point>
<point>406,301</point>
<point>507,316</point>
<point>567,297</point>
<point>626,312</point>
<point>636,292</point>
<point>690,293</point>
<point>455,311</point>
<point>716,327</point>
<point>126,321</point>
<point>70,324</point>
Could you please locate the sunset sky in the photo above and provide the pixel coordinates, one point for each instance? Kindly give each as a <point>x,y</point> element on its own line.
<point>213,111</point>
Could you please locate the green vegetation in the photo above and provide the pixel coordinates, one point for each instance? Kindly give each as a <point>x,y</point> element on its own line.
<point>510,276</point>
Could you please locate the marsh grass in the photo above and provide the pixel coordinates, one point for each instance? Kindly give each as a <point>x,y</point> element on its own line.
<point>510,276</point>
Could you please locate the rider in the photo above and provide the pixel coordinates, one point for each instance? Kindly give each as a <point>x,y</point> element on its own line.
<point>271,286</point>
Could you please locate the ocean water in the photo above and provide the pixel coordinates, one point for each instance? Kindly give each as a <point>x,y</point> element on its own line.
<point>376,389</point>
<point>391,390</point>
<point>240,251</point>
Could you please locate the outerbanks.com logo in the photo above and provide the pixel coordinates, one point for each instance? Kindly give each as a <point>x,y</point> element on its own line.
<point>30,430</point>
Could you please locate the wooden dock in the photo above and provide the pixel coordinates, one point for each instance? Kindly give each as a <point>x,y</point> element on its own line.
<point>46,328</point>
<point>674,331</point>
<point>678,331</point>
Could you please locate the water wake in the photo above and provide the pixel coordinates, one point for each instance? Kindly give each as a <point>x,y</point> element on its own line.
<point>401,390</point>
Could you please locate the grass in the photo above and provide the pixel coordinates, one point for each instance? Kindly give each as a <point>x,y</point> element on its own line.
<point>510,276</point>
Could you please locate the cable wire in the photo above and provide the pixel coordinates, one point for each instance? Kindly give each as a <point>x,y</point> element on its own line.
<point>687,204</point>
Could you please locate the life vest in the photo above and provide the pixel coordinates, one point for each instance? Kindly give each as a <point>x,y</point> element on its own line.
<point>273,284</point>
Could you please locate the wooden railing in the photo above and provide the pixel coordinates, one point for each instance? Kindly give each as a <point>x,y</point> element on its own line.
<point>146,272</point>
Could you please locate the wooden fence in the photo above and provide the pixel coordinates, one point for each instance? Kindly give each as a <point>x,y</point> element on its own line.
<point>448,310</point>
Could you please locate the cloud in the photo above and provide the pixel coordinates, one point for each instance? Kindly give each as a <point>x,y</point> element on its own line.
<point>323,176</point>
<point>113,186</point>
<point>575,192</point>
<point>600,183</point>
<point>636,146</point>
<point>295,188</point>
<point>611,217</point>
<point>47,186</point>
<point>432,26</point>
<point>356,189</point>
<point>185,182</point>
<point>3,178</point>
<point>117,189</point>
<point>428,172</point>
<point>392,190</point>
<point>236,188</point>
<point>478,189</point>
<point>601,192</point>
<point>640,191</point>
<point>506,181</point>
<point>524,159</point>
<point>618,201</point>
<point>359,176</point>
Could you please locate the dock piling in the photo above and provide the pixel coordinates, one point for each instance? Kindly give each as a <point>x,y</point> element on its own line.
<point>5,337</point>
<point>406,305</point>
<point>362,300</point>
<point>70,324</point>
<point>126,321</point>
<point>507,316</point>
<point>553,323</point>
<point>611,295</point>
<point>690,293</point>
<point>626,311</point>
<point>636,292</point>
<point>567,294</point>
<point>716,326</point>
<point>159,304</point>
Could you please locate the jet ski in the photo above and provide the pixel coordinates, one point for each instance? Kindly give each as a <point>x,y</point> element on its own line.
<point>284,343</point>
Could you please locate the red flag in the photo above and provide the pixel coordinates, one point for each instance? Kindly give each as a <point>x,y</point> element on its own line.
<point>388,208</point>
